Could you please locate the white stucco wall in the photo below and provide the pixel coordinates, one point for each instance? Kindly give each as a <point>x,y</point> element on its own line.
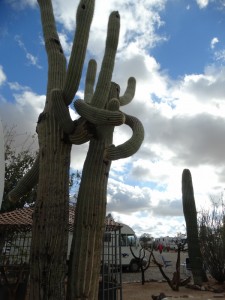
<point>2,163</point>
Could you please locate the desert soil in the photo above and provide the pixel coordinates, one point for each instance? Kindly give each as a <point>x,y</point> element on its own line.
<point>155,283</point>
<point>135,291</point>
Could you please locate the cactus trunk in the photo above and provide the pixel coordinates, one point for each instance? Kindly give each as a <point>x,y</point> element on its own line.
<point>50,218</point>
<point>190,215</point>
<point>89,225</point>
<point>51,169</point>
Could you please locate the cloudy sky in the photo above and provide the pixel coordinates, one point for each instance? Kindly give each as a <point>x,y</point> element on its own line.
<point>176,51</point>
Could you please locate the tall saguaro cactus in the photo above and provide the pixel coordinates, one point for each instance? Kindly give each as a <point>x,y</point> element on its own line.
<point>190,215</point>
<point>51,169</point>
<point>84,265</point>
<point>56,134</point>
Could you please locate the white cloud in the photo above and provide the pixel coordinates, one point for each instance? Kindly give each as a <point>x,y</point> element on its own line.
<point>183,130</point>
<point>183,120</point>
<point>66,43</point>
<point>214,41</point>
<point>202,3</point>
<point>24,111</point>
<point>203,92</point>
<point>220,56</point>
<point>15,86</point>
<point>28,100</point>
<point>21,4</point>
<point>65,13</point>
<point>2,76</point>
<point>138,22</point>
<point>32,60</point>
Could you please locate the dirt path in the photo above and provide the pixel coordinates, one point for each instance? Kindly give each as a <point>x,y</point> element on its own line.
<point>136,291</point>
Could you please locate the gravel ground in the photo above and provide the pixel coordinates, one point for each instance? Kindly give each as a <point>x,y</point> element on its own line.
<point>153,272</point>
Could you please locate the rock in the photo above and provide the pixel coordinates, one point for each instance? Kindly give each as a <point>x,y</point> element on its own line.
<point>160,297</point>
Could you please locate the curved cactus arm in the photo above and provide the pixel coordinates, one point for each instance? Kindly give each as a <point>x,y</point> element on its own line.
<point>90,81</point>
<point>84,17</point>
<point>56,58</point>
<point>99,116</point>
<point>83,132</point>
<point>104,80</point>
<point>129,93</point>
<point>26,183</point>
<point>129,147</point>
<point>61,111</point>
<point>78,131</point>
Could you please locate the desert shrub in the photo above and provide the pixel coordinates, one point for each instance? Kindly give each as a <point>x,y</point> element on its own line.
<point>212,239</point>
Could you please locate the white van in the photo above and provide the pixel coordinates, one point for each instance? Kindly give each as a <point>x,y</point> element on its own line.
<point>111,245</point>
<point>127,239</point>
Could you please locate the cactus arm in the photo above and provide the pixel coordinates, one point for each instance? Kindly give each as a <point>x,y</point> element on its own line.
<point>26,183</point>
<point>61,112</point>
<point>83,132</point>
<point>56,58</point>
<point>78,131</point>
<point>99,116</point>
<point>48,20</point>
<point>104,80</point>
<point>114,105</point>
<point>90,81</point>
<point>84,17</point>
<point>132,145</point>
<point>129,93</point>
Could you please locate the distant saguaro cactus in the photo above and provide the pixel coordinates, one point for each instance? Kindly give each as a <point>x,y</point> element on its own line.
<point>56,133</point>
<point>190,215</point>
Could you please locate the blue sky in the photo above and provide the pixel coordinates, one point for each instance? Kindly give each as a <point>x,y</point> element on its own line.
<point>189,31</point>
<point>176,51</point>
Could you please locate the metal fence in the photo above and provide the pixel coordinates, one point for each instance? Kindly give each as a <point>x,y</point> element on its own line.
<point>14,264</point>
<point>110,285</point>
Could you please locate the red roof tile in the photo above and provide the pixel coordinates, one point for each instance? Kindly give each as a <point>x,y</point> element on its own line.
<point>23,218</point>
<point>17,217</point>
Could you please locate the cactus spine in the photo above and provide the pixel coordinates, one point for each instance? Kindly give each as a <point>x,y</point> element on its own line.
<point>190,215</point>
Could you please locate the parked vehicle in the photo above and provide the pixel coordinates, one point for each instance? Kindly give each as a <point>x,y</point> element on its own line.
<point>129,239</point>
<point>125,241</point>
<point>122,241</point>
